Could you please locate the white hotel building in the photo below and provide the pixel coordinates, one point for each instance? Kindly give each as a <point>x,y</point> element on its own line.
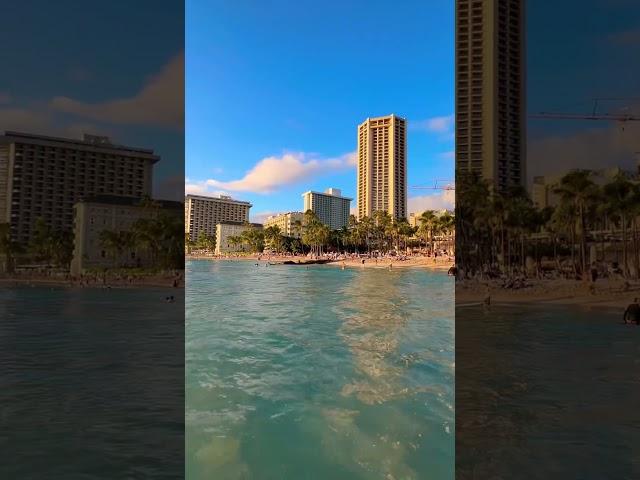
<point>331,208</point>
<point>202,214</point>
<point>287,223</point>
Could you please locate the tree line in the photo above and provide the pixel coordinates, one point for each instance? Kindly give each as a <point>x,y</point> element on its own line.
<point>160,235</point>
<point>501,231</point>
<point>378,232</point>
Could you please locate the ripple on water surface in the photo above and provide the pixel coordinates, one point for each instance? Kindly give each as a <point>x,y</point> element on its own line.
<point>318,373</point>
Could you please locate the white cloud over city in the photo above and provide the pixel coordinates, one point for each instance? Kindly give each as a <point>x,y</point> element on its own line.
<point>160,102</point>
<point>272,173</point>
<point>445,199</point>
<point>441,126</point>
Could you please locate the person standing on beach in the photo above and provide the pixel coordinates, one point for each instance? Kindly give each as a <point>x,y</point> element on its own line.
<point>632,313</point>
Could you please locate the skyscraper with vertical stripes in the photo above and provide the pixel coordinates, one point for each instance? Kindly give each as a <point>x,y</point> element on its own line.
<point>382,166</point>
<point>490,91</point>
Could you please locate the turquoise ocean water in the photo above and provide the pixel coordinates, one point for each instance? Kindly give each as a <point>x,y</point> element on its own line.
<point>318,373</point>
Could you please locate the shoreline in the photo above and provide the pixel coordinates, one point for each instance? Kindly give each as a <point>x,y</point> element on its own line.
<point>382,263</point>
<point>606,294</point>
<point>61,282</point>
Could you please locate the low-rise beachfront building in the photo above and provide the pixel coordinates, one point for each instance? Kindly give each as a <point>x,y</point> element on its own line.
<point>331,207</point>
<point>114,214</point>
<point>225,233</point>
<point>289,223</point>
<point>202,214</point>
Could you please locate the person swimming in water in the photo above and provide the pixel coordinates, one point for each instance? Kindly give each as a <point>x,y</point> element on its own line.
<point>632,313</point>
<point>170,299</point>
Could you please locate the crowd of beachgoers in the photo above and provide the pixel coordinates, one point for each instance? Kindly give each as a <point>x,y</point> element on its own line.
<point>437,259</point>
<point>602,284</point>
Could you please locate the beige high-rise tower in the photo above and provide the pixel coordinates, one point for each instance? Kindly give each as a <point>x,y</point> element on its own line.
<point>490,90</point>
<point>382,166</point>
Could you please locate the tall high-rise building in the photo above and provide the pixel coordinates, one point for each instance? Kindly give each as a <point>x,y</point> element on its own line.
<point>43,177</point>
<point>331,207</point>
<point>202,214</point>
<point>490,91</point>
<point>382,166</point>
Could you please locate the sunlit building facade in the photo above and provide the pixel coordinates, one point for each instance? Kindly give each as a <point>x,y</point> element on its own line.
<point>331,207</point>
<point>490,91</point>
<point>44,177</point>
<point>202,213</point>
<point>382,166</point>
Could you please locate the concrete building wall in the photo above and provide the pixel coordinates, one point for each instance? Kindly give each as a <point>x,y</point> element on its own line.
<point>287,223</point>
<point>490,90</point>
<point>202,214</point>
<point>226,230</point>
<point>43,177</point>
<point>332,210</point>
<point>92,217</point>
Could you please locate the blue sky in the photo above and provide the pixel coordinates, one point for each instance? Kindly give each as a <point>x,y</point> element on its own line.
<point>290,81</point>
<point>586,49</point>
<point>115,68</point>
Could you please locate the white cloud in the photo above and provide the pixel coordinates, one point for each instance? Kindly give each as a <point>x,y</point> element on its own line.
<point>160,102</point>
<point>201,188</point>
<point>24,119</point>
<point>445,199</point>
<point>260,217</point>
<point>37,120</point>
<point>591,148</point>
<point>272,173</point>
<point>441,125</point>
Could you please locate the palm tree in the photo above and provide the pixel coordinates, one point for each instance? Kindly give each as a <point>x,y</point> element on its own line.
<point>205,242</point>
<point>147,234</point>
<point>253,237</point>
<point>366,230</point>
<point>170,242</point>
<point>576,188</point>
<point>234,241</point>
<point>62,247</point>
<point>273,237</point>
<point>427,225</point>
<point>40,245</point>
<point>383,222</point>
<point>620,198</point>
<point>8,248</point>
<point>111,242</point>
<point>188,242</point>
